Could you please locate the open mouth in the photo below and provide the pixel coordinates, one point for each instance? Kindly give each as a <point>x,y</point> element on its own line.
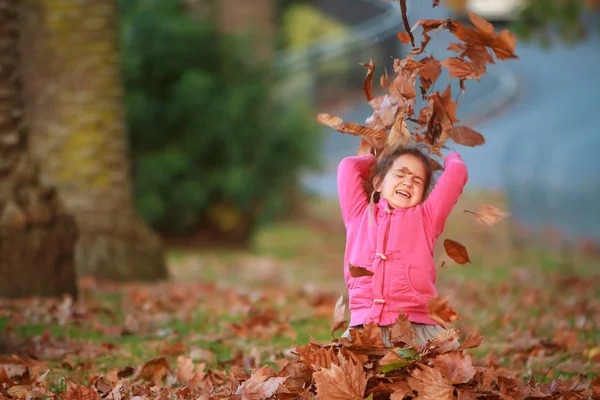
<point>403,193</point>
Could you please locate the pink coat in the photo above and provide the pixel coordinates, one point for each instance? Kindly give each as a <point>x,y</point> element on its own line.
<point>404,270</point>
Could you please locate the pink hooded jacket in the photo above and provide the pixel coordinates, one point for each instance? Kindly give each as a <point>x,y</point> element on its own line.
<point>398,245</point>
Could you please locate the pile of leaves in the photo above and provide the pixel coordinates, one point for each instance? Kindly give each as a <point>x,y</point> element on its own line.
<point>356,368</point>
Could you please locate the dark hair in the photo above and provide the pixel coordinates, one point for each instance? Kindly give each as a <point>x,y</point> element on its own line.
<point>384,162</point>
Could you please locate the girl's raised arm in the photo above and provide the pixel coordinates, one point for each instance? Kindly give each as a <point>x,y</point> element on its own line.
<point>352,171</point>
<point>446,192</point>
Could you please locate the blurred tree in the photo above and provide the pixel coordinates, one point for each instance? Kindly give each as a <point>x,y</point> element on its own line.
<point>73,83</point>
<point>37,238</point>
<point>215,152</point>
<point>546,21</point>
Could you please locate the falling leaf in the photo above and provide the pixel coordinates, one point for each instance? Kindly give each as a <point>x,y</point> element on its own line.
<point>329,120</point>
<point>368,83</point>
<point>359,130</point>
<point>456,251</point>
<point>364,148</point>
<point>260,385</point>
<point>344,382</point>
<point>472,340</point>
<point>402,332</point>
<point>404,37</point>
<point>154,370</point>
<point>430,384</point>
<point>339,315</point>
<point>439,311</point>
<point>357,272</point>
<point>466,136</point>
<point>399,135</point>
<point>403,9</point>
<point>383,81</point>
<point>488,215</point>
<point>481,23</point>
<point>459,68</point>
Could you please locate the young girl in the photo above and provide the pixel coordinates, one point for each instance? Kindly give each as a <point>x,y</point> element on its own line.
<point>391,229</point>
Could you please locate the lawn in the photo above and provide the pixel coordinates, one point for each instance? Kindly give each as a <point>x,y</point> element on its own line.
<point>538,310</point>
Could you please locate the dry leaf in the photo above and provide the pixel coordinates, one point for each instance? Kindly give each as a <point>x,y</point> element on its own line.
<point>466,136</point>
<point>488,215</point>
<point>329,120</point>
<point>359,130</point>
<point>399,135</point>
<point>357,272</point>
<point>260,385</point>
<point>456,251</point>
<point>344,382</point>
<point>472,340</point>
<point>364,148</point>
<point>430,384</point>
<point>383,81</point>
<point>155,370</point>
<point>459,68</point>
<point>339,315</point>
<point>368,83</point>
<point>439,311</point>
<point>455,367</point>
<point>404,37</point>
<point>402,332</point>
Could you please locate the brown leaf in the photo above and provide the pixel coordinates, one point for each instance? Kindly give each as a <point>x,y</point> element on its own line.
<point>435,166</point>
<point>359,130</point>
<point>430,384</point>
<point>459,68</point>
<point>329,120</point>
<point>187,372</point>
<point>339,315</point>
<point>439,311</point>
<point>402,392</point>
<point>364,148</point>
<point>383,81</point>
<point>455,367</point>
<point>344,382</point>
<point>368,83</point>
<point>456,251</point>
<point>399,134</point>
<point>260,385</point>
<point>403,9</point>
<point>357,272</point>
<point>403,333</point>
<point>172,349</point>
<point>155,370</point>
<point>488,215</point>
<point>472,340</point>
<point>481,23</point>
<point>466,136</point>
<point>444,342</point>
<point>404,37</point>
<point>312,354</point>
<point>431,69</point>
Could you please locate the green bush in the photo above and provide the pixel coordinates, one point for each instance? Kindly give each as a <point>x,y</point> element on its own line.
<point>210,145</point>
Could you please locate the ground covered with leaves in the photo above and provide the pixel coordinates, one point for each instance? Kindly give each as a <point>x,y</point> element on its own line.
<point>253,325</point>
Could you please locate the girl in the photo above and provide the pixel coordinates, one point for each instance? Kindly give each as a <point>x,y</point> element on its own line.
<point>391,231</point>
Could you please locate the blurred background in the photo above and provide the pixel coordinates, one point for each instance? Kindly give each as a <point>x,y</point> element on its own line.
<point>159,124</point>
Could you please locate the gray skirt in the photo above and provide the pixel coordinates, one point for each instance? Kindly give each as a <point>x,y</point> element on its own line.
<point>424,333</point>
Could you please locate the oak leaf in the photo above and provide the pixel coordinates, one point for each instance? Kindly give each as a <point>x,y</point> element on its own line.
<point>260,385</point>
<point>339,315</point>
<point>430,384</point>
<point>488,215</point>
<point>357,272</point>
<point>456,251</point>
<point>439,311</point>
<point>466,136</point>
<point>344,382</point>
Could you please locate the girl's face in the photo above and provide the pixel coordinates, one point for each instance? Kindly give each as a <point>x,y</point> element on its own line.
<point>404,184</point>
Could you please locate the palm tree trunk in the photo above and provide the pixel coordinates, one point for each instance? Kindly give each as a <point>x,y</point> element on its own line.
<point>74,88</point>
<point>37,238</point>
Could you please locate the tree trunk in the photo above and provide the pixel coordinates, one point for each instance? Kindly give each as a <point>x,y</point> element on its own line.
<point>37,239</point>
<point>74,88</point>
